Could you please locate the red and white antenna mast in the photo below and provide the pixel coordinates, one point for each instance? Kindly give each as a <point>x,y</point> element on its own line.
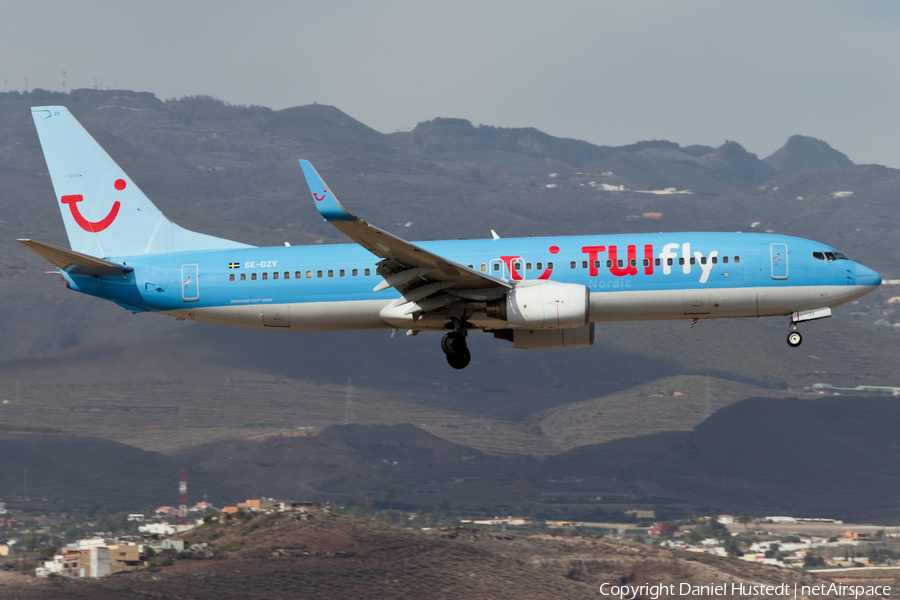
<point>182,499</point>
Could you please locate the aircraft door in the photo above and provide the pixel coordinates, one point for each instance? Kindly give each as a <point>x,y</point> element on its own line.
<point>497,268</point>
<point>508,267</point>
<point>190,288</point>
<point>779,261</point>
<point>518,269</point>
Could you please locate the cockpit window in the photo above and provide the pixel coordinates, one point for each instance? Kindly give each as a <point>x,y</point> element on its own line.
<point>828,256</point>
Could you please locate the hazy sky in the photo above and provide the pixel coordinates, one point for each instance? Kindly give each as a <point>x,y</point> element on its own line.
<point>690,71</point>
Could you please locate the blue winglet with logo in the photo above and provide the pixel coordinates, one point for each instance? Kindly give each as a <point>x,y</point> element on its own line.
<point>386,245</point>
<point>326,203</point>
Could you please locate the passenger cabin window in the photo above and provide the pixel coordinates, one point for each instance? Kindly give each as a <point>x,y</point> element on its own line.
<point>646,262</point>
<point>715,260</point>
<point>669,262</point>
<point>252,276</point>
<point>572,264</point>
<point>319,274</point>
<point>367,272</point>
<point>725,259</point>
<point>681,261</point>
<point>633,262</point>
<point>737,260</point>
<point>608,263</point>
<point>621,263</point>
<point>658,262</point>
<point>496,266</point>
<point>309,274</point>
<point>354,272</point>
<point>287,274</point>
<point>527,266</point>
<point>517,266</point>
<point>550,265</point>
<point>539,266</point>
<point>693,261</point>
<point>243,277</point>
<point>274,275</point>
<point>231,277</point>
<point>483,268</point>
<point>342,272</point>
<point>584,264</point>
<point>331,272</point>
<point>265,276</point>
<point>702,260</point>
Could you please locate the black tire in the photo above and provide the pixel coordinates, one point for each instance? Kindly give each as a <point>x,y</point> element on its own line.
<point>453,343</point>
<point>794,339</point>
<point>459,360</point>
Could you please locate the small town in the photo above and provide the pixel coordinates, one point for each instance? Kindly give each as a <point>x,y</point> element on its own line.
<point>41,551</point>
<point>75,547</point>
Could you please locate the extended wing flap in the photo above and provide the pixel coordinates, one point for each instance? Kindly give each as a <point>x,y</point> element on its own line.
<point>75,262</point>
<point>390,247</point>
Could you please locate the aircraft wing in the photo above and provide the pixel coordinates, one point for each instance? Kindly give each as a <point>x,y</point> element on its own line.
<point>411,269</point>
<point>75,262</point>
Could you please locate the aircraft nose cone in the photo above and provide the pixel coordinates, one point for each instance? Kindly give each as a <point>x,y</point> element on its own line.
<point>866,276</point>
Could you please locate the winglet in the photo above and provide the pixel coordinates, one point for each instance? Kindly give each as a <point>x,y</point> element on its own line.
<point>326,203</point>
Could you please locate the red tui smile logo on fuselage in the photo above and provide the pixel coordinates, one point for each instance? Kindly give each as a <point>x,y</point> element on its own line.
<point>93,226</point>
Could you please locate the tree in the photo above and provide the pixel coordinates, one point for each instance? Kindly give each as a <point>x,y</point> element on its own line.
<point>745,519</point>
<point>811,560</point>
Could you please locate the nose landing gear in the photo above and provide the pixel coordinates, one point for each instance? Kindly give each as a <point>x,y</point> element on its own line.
<point>454,346</point>
<point>794,338</point>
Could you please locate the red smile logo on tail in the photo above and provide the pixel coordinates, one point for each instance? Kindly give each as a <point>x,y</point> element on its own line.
<point>93,226</point>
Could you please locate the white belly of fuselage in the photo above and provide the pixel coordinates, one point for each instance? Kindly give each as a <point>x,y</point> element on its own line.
<point>605,306</point>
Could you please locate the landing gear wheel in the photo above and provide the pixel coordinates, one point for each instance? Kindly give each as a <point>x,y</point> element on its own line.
<point>459,360</point>
<point>794,338</point>
<point>453,343</point>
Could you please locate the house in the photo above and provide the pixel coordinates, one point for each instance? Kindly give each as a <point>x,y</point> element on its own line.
<point>88,559</point>
<point>163,528</point>
<point>125,557</point>
<point>260,504</point>
<point>726,519</point>
<point>659,529</point>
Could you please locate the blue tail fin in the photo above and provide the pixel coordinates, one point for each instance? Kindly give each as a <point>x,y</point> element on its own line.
<point>105,213</point>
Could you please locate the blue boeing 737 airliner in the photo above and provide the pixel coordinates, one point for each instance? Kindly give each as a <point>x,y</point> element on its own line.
<point>537,293</point>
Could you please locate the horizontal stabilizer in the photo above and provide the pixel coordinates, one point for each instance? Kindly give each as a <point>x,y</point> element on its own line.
<point>75,262</point>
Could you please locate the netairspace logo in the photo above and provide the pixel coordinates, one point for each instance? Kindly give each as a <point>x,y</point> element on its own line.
<point>733,590</point>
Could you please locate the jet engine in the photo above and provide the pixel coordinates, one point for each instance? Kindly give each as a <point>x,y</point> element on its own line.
<point>543,305</point>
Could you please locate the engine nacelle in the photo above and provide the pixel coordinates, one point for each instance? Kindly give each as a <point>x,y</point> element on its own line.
<point>548,339</point>
<point>544,305</point>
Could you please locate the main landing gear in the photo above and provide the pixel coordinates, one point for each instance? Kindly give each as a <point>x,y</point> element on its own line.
<point>794,338</point>
<point>454,346</point>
